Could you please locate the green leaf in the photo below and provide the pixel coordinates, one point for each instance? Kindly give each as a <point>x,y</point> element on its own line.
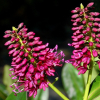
<point>95,89</point>
<point>20,96</point>
<point>97,67</point>
<point>3,92</point>
<point>96,59</point>
<point>95,73</point>
<point>41,95</point>
<point>81,6</point>
<point>72,82</point>
<point>7,79</point>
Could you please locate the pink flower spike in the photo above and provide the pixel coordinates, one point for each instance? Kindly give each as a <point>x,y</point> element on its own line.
<point>28,49</point>
<point>84,21</point>
<point>87,38</point>
<point>42,58</point>
<point>31,37</point>
<point>78,19</point>
<point>36,49</point>
<point>15,53</point>
<point>69,44</point>
<point>11,46</point>
<point>22,47</point>
<point>93,35</point>
<point>37,76</point>
<point>17,39</point>
<point>84,50</point>
<point>98,45</point>
<point>26,54</point>
<point>81,42</point>
<point>56,47</point>
<point>30,33</point>
<point>81,27</point>
<point>88,29</point>
<point>84,31</point>
<point>95,53</point>
<point>97,39</point>
<point>78,55</point>
<point>90,4</point>
<point>11,51</point>
<point>77,8</point>
<point>24,61</point>
<point>42,53</point>
<point>94,13</point>
<point>82,70</point>
<point>32,60</point>
<point>39,43</point>
<point>74,28</point>
<point>28,75</point>
<point>74,24</point>
<point>34,54</point>
<point>43,85</point>
<point>73,11</point>
<point>24,68</point>
<point>36,38</point>
<point>14,77</point>
<point>75,16</point>
<point>7,43</point>
<point>20,25</point>
<point>31,93</point>
<point>21,53</point>
<point>8,31</point>
<point>31,68</point>
<point>80,36</point>
<point>76,46</point>
<point>11,69</point>
<point>7,35</point>
<point>90,43</point>
<point>24,41</point>
<point>62,54</point>
<point>90,24</point>
<point>74,43</point>
<point>97,19</point>
<point>18,60</point>
<point>16,45</point>
<point>98,35</point>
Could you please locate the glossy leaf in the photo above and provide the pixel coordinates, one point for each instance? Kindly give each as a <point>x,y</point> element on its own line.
<point>7,79</point>
<point>3,92</point>
<point>20,96</point>
<point>72,82</point>
<point>95,89</point>
<point>95,73</point>
<point>41,95</point>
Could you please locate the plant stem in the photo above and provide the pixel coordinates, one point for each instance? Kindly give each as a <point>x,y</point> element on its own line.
<point>89,79</point>
<point>58,92</point>
<point>26,95</point>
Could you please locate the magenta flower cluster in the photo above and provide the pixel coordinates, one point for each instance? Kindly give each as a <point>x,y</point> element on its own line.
<point>86,37</point>
<point>32,60</point>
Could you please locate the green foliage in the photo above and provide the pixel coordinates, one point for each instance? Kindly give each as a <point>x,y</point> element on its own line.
<point>7,79</point>
<point>41,95</point>
<point>20,96</point>
<point>95,73</point>
<point>72,82</point>
<point>95,89</point>
<point>3,92</point>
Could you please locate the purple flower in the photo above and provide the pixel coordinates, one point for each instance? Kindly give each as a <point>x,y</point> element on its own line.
<point>32,60</point>
<point>86,37</point>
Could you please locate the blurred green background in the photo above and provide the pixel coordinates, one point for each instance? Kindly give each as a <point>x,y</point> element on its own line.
<point>49,19</point>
